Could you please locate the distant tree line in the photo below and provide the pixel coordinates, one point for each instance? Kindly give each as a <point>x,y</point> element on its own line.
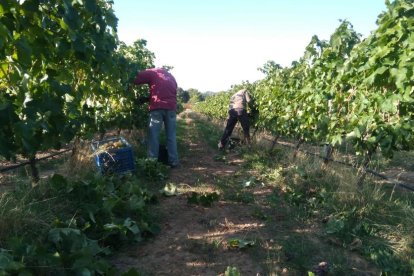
<point>190,96</point>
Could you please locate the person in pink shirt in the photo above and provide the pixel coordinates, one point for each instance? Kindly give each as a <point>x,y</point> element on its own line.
<point>162,110</point>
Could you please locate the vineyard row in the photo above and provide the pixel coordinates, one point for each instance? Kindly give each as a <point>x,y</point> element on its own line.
<point>344,90</point>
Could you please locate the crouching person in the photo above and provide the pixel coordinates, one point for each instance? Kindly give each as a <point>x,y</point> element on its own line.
<point>237,113</point>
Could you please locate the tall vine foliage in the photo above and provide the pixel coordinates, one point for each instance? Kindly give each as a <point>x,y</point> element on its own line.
<point>346,88</point>
<point>64,74</point>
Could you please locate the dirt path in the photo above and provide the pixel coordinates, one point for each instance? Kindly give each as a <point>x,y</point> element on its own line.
<point>193,239</point>
<point>197,240</point>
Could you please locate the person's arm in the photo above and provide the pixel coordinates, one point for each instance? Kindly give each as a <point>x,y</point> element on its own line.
<point>248,99</point>
<point>143,77</point>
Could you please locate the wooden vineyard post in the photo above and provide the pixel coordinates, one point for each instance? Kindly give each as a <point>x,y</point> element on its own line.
<point>102,135</point>
<point>274,142</point>
<point>362,171</point>
<point>33,169</point>
<point>75,153</point>
<point>327,153</point>
<point>297,147</point>
<point>76,145</point>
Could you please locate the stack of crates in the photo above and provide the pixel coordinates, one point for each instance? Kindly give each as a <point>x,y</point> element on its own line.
<point>113,155</point>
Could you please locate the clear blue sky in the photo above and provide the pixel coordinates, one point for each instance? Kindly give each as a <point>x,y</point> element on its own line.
<point>213,44</point>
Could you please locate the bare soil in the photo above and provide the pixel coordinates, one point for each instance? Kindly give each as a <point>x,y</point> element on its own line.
<point>193,239</point>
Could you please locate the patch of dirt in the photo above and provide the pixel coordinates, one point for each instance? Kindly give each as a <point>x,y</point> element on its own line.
<point>193,239</point>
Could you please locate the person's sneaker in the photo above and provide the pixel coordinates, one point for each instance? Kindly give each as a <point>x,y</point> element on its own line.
<point>220,145</point>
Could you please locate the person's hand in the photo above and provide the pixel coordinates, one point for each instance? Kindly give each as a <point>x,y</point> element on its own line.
<point>142,100</point>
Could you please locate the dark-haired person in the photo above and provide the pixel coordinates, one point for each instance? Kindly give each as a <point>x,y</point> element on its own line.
<point>162,110</point>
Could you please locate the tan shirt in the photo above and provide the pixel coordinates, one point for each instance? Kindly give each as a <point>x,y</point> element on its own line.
<point>239,100</point>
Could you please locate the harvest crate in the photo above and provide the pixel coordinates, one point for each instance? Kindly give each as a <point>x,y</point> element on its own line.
<point>111,160</point>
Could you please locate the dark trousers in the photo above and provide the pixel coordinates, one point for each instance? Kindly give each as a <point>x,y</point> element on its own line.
<point>234,116</point>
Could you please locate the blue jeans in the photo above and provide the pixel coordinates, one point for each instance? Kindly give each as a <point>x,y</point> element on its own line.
<point>156,120</point>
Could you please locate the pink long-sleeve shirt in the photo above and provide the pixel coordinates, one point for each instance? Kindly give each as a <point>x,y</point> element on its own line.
<point>163,88</point>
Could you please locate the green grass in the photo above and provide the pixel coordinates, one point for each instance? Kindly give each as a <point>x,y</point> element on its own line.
<point>209,132</point>
<point>403,160</point>
<point>29,212</point>
<point>182,137</point>
<point>64,224</point>
<point>368,214</point>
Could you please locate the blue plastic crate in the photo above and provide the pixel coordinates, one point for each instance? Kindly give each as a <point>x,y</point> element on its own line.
<point>119,160</point>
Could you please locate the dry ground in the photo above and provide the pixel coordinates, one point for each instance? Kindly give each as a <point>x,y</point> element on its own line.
<point>193,239</point>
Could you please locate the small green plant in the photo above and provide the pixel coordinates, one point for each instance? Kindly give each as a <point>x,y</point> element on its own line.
<point>220,158</point>
<point>241,196</point>
<point>251,182</point>
<point>232,271</point>
<point>239,243</point>
<point>73,225</point>
<point>205,199</point>
<point>152,169</point>
<point>169,190</point>
<point>257,213</point>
